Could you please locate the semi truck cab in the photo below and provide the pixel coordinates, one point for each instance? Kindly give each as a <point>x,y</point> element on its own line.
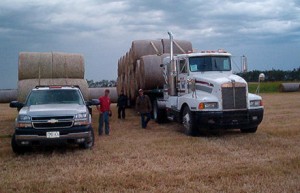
<point>202,92</point>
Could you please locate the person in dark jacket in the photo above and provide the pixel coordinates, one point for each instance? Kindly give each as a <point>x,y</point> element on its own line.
<point>121,104</point>
<point>143,107</point>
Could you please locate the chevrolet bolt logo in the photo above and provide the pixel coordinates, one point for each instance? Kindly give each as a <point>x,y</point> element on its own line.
<point>52,121</point>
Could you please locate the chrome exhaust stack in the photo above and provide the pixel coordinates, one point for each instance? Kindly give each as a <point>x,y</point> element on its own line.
<point>172,91</point>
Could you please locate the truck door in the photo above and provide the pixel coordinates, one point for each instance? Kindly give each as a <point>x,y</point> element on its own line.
<point>182,77</point>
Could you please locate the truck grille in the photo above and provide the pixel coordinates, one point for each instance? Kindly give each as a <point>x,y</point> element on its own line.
<point>234,97</point>
<point>52,122</point>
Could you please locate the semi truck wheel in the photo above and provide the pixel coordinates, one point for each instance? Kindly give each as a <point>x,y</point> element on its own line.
<point>188,122</point>
<point>159,114</point>
<point>249,130</point>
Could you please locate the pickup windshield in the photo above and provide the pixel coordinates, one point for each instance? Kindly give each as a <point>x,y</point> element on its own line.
<point>52,96</point>
<point>210,63</point>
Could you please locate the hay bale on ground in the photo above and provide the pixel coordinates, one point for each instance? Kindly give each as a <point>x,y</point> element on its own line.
<point>95,93</point>
<point>8,95</point>
<point>35,65</point>
<point>67,65</point>
<point>25,86</point>
<point>289,87</point>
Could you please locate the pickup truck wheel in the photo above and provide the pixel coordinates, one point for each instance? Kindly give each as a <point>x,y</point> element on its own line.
<point>88,144</point>
<point>15,147</point>
<point>159,115</point>
<point>188,122</point>
<point>249,130</point>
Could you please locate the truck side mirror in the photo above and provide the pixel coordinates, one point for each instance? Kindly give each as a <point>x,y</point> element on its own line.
<point>92,102</point>
<point>261,77</point>
<point>16,104</point>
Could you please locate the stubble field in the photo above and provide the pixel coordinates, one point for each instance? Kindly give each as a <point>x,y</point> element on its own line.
<point>162,159</point>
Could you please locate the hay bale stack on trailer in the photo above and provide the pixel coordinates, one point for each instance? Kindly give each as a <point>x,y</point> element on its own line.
<point>140,66</point>
<point>50,68</point>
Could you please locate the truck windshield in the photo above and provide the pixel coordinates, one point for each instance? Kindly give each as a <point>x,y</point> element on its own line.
<point>40,97</point>
<point>210,63</point>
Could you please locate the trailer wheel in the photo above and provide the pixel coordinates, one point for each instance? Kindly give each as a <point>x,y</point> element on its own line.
<point>159,114</point>
<point>249,130</point>
<point>188,122</point>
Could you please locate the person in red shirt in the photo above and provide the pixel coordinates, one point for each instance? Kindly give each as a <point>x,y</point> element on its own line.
<point>104,112</point>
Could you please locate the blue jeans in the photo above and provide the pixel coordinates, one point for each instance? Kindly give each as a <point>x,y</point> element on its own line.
<point>143,121</point>
<point>104,118</point>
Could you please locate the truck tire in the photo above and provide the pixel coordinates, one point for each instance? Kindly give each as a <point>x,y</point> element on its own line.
<point>249,130</point>
<point>15,147</point>
<point>188,122</point>
<point>159,114</point>
<point>88,144</point>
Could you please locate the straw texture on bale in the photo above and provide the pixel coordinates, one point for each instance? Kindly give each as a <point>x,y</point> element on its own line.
<point>44,65</point>
<point>140,66</point>
<point>289,87</point>
<point>141,48</point>
<point>95,93</point>
<point>179,46</point>
<point>25,86</point>
<point>8,95</point>
<point>151,72</point>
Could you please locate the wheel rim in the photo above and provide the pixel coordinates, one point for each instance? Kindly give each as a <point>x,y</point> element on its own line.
<point>186,121</point>
<point>155,111</point>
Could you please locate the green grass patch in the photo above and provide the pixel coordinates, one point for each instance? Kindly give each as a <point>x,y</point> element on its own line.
<point>265,87</point>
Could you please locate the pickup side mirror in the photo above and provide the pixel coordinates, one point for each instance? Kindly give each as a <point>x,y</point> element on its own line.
<point>92,102</point>
<point>16,104</point>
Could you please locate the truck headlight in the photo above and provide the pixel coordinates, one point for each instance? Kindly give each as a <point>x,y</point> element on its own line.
<point>256,103</point>
<point>24,121</point>
<point>81,116</point>
<point>81,119</point>
<point>208,105</point>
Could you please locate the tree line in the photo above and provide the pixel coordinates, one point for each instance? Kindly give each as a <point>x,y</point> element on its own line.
<point>102,83</point>
<point>272,75</point>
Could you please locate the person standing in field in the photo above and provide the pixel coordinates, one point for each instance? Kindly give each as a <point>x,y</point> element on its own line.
<point>143,107</point>
<point>121,104</point>
<point>104,112</point>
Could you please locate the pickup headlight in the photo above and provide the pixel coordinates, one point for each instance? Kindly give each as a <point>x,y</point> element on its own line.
<point>208,105</point>
<point>256,103</point>
<point>24,121</point>
<point>81,119</point>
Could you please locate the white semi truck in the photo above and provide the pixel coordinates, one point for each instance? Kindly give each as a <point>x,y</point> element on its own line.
<point>201,92</point>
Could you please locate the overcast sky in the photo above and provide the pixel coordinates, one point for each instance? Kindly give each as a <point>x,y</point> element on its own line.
<point>266,31</point>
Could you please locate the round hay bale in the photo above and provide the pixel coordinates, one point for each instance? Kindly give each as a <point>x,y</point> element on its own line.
<point>8,95</point>
<point>151,72</point>
<point>95,93</point>
<point>289,87</point>
<point>67,65</point>
<point>141,48</point>
<point>35,65</point>
<point>25,86</point>
<point>179,46</point>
